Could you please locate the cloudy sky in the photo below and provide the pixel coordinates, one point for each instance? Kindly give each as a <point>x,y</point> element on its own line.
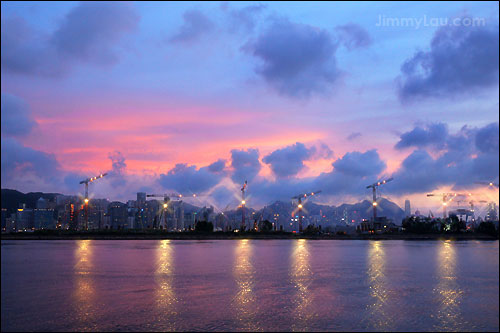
<point>199,97</point>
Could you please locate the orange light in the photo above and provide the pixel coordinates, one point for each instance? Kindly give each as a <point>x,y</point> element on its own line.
<point>242,202</point>
<point>491,184</point>
<point>374,204</point>
<point>86,200</point>
<point>300,206</point>
<point>165,205</point>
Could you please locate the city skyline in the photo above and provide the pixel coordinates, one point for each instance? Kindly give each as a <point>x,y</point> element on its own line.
<point>199,98</point>
<point>250,166</point>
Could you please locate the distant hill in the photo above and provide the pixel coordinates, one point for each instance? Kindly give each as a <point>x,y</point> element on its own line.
<point>10,199</point>
<point>363,209</point>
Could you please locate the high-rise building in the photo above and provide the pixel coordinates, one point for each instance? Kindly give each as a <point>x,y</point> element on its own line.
<point>97,209</point>
<point>24,219</point>
<point>407,208</point>
<point>118,214</point>
<point>11,223</point>
<point>141,200</point>
<point>4,219</point>
<point>492,212</point>
<point>44,218</point>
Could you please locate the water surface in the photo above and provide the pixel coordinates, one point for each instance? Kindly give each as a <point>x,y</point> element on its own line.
<point>249,285</point>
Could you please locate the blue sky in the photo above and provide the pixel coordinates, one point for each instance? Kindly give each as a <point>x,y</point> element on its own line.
<point>189,83</point>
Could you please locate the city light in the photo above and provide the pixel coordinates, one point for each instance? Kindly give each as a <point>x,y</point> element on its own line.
<point>130,90</point>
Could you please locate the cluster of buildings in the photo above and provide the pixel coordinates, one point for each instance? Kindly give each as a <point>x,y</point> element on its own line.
<point>70,213</point>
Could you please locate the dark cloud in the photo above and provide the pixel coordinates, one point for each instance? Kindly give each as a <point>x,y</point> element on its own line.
<point>245,164</point>
<point>353,36</point>
<point>16,117</point>
<point>466,157</point>
<point>244,19</point>
<point>218,166</point>
<point>323,151</point>
<point>28,169</point>
<point>360,164</point>
<point>20,164</point>
<point>298,60</point>
<point>461,59</point>
<point>195,25</point>
<point>88,33</point>
<point>26,51</point>
<point>187,179</point>
<point>72,180</point>
<point>287,162</point>
<point>487,138</point>
<point>118,168</point>
<point>89,30</point>
<point>353,136</point>
<point>420,172</point>
<point>265,191</point>
<point>349,177</point>
<point>431,135</point>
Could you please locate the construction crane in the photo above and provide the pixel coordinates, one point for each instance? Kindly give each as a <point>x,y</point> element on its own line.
<point>447,197</point>
<point>243,202</point>
<point>299,198</point>
<point>86,199</point>
<point>374,188</point>
<point>491,184</point>
<point>166,199</point>
<point>471,202</point>
<point>472,207</point>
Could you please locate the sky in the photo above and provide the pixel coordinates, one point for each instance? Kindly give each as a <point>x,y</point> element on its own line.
<point>197,97</point>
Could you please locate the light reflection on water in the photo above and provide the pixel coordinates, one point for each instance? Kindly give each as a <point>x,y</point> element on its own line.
<point>245,305</point>
<point>448,293</point>
<point>84,291</point>
<point>280,285</point>
<point>166,300</point>
<point>301,277</point>
<point>379,314</point>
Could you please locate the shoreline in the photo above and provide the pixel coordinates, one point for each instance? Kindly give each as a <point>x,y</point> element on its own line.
<point>232,236</point>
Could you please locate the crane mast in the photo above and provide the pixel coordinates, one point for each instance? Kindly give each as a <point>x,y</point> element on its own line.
<point>446,197</point>
<point>243,202</point>
<point>299,198</point>
<point>86,200</point>
<point>166,199</point>
<point>374,194</point>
